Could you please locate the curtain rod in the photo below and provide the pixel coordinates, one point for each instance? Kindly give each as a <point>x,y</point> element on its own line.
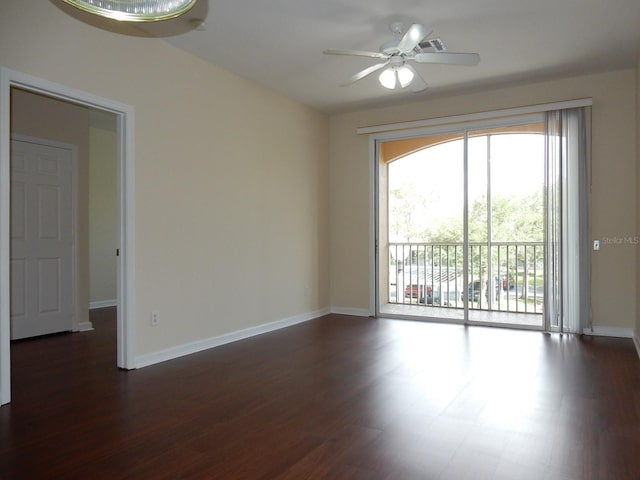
<point>544,107</point>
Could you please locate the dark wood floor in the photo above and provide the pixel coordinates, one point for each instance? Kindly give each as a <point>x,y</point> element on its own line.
<point>335,398</point>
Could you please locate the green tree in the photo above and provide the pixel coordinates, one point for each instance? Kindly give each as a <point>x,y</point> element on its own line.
<point>406,213</point>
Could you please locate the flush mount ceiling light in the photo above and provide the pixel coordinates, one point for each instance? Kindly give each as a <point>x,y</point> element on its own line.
<point>135,10</point>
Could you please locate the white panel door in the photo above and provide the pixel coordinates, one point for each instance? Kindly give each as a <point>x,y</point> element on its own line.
<point>41,239</point>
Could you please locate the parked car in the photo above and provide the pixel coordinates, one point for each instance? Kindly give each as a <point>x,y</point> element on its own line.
<point>475,288</point>
<point>424,293</point>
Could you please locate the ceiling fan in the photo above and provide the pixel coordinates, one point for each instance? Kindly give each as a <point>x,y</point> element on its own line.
<point>397,54</point>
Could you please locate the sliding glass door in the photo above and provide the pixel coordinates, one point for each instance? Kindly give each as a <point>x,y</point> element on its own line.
<point>424,216</point>
<point>506,225</point>
<point>461,224</point>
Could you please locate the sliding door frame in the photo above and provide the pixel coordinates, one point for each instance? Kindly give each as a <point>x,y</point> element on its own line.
<point>447,126</point>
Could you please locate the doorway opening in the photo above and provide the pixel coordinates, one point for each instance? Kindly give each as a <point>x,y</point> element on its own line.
<point>121,117</point>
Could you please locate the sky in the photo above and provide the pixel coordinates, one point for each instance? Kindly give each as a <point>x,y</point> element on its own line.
<point>436,173</point>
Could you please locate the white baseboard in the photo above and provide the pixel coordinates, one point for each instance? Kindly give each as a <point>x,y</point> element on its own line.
<point>207,343</point>
<point>356,312</point>
<point>85,326</point>
<point>637,344</point>
<point>609,332</point>
<point>103,304</point>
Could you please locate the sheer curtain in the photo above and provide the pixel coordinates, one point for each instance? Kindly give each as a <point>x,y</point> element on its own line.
<point>567,307</point>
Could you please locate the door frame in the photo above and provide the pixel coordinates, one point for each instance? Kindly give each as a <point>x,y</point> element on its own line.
<point>73,149</point>
<point>446,126</point>
<point>125,223</point>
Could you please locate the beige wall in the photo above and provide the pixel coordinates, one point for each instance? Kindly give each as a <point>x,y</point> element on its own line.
<point>638,199</point>
<point>614,205</point>
<point>103,239</point>
<point>234,187</point>
<point>45,118</point>
<point>231,179</point>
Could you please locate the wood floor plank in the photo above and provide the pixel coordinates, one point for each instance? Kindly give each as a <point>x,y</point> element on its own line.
<point>338,397</point>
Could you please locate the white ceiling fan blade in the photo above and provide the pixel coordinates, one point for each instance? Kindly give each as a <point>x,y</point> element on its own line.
<point>363,73</point>
<point>450,58</point>
<point>413,37</point>
<point>358,53</point>
<point>417,84</point>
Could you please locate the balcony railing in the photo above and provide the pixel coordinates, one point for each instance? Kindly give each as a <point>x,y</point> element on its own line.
<point>501,276</point>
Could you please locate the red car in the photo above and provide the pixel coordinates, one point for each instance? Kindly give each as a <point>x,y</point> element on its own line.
<point>418,291</point>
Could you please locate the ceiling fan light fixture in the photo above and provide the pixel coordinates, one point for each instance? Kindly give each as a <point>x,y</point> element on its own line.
<point>135,10</point>
<point>388,78</point>
<point>396,77</point>
<point>405,76</point>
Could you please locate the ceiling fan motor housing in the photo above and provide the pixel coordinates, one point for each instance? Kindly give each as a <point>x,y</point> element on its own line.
<point>396,61</point>
<point>390,47</point>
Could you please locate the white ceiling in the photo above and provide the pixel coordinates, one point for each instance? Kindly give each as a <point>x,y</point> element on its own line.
<point>279,43</point>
